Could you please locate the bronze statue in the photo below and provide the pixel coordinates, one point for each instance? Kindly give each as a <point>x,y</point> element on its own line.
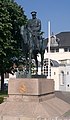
<point>34,27</point>
<point>32,38</point>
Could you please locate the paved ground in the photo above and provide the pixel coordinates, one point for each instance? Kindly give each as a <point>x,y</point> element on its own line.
<point>63,95</point>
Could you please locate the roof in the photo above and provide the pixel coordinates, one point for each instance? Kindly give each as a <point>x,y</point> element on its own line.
<point>54,63</point>
<point>64,39</point>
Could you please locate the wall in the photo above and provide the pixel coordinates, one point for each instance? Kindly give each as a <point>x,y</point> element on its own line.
<point>55,76</point>
<point>57,55</point>
<point>68,77</point>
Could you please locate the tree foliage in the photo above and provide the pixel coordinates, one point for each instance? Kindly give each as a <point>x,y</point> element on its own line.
<point>12,17</point>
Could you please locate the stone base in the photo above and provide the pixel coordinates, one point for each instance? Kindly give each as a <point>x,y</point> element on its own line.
<point>30,87</point>
<point>32,99</point>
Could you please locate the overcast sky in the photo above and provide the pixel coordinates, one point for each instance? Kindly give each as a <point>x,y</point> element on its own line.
<point>55,11</point>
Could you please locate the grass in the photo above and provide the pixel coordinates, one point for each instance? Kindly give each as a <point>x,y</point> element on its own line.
<point>2,95</point>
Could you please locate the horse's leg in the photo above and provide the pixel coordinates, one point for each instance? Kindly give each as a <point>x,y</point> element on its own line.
<point>42,57</point>
<point>27,67</point>
<point>27,61</point>
<point>36,65</point>
<point>36,61</point>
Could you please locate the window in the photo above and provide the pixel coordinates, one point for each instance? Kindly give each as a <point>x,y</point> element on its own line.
<point>62,78</point>
<point>57,50</point>
<point>67,73</point>
<point>65,49</point>
<point>54,73</point>
<point>52,50</point>
<point>69,49</point>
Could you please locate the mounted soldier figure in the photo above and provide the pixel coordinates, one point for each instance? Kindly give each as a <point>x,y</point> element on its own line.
<point>34,27</point>
<point>31,34</point>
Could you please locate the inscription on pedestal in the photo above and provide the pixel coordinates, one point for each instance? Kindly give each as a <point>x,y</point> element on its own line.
<point>22,88</point>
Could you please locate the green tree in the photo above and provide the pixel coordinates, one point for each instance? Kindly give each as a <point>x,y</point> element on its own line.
<point>11,19</point>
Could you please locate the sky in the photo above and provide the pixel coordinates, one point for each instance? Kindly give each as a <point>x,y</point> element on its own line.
<point>55,11</point>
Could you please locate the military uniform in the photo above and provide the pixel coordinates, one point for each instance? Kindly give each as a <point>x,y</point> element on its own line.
<point>34,27</point>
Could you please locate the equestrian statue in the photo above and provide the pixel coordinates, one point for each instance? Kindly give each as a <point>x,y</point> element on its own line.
<point>32,41</point>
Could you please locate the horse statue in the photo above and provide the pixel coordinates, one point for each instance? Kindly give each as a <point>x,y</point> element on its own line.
<point>33,41</point>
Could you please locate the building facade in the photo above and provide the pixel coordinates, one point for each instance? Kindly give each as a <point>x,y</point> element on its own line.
<point>60,52</point>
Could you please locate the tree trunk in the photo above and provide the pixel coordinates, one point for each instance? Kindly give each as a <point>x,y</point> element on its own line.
<point>2,81</point>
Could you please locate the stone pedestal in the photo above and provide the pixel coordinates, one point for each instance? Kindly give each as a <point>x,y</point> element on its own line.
<point>30,89</point>
<point>32,99</point>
